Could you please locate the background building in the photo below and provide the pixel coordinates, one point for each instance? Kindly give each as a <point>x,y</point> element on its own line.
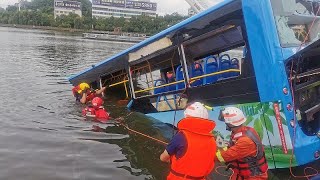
<point>191,12</point>
<point>65,7</point>
<point>123,8</point>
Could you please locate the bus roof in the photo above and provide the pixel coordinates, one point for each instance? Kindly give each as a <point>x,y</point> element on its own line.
<point>120,60</point>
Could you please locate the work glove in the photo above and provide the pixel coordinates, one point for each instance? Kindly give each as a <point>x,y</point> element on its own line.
<point>219,156</point>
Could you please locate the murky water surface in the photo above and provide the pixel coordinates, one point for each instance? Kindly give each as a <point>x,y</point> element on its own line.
<point>42,133</point>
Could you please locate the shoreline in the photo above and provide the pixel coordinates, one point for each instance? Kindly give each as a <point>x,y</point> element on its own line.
<point>69,30</point>
<point>44,28</point>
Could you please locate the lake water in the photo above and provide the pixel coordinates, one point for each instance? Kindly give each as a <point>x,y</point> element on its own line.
<point>42,132</point>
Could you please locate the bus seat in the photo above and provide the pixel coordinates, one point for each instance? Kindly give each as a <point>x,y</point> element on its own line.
<point>179,76</point>
<point>234,65</point>
<point>211,67</point>
<point>196,70</point>
<point>159,82</point>
<point>225,64</point>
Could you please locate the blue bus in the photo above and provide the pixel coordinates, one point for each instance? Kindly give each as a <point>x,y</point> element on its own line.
<point>261,56</point>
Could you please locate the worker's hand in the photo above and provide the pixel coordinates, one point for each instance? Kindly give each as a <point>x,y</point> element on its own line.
<point>165,157</point>
<point>100,91</point>
<point>85,90</point>
<point>219,156</point>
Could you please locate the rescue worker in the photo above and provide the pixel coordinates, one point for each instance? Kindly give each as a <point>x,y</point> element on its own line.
<point>191,151</point>
<point>96,111</point>
<point>83,93</point>
<point>245,154</point>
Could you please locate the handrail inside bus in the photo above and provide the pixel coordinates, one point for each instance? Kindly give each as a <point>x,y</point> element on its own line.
<point>115,84</point>
<point>194,78</point>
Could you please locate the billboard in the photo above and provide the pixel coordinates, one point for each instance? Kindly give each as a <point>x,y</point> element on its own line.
<point>141,5</point>
<point>127,4</point>
<point>67,4</point>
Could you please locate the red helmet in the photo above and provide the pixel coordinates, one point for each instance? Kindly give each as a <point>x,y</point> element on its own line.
<point>97,102</point>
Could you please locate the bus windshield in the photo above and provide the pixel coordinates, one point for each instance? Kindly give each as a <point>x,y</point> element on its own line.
<point>294,19</point>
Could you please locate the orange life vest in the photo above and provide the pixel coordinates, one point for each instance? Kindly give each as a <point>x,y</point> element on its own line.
<point>252,165</point>
<point>198,160</point>
<point>77,92</point>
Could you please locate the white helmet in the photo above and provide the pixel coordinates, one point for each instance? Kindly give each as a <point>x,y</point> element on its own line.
<point>233,116</point>
<point>196,109</point>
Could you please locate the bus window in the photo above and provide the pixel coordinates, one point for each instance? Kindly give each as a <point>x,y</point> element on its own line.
<point>294,18</point>
<point>305,74</point>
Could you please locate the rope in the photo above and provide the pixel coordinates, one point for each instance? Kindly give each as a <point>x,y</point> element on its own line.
<point>294,110</point>
<point>137,132</point>
<point>225,168</point>
<point>175,113</point>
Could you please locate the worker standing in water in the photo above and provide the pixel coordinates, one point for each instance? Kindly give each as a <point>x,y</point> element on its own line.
<point>191,151</point>
<point>245,154</point>
<point>96,111</point>
<point>83,93</point>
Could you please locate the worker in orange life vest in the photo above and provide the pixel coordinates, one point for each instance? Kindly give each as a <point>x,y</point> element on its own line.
<point>191,151</point>
<point>245,154</point>
<point>83,93</point>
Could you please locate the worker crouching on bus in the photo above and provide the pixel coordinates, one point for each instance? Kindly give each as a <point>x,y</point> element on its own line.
<point>83,93</point>
<point>245,154</point>
<point>191,151</point>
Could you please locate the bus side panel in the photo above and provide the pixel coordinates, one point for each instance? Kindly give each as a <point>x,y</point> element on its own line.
<point>268,62</point>
<point>264,47</point>
<point>276,127</point>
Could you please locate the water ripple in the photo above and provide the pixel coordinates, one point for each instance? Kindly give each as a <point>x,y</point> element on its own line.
<point>42,132</point>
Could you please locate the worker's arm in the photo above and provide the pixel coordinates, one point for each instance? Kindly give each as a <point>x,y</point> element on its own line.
<point>83,98</point>
<point>100,91</point>
<point>165,157</point>
<point>244,147</point>
<point>176,147</point>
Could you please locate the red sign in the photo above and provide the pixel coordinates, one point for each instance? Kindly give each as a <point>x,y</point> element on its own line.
<point>282,137</point>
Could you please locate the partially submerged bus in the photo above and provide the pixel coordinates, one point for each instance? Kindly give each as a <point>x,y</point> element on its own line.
<point>261,56</point>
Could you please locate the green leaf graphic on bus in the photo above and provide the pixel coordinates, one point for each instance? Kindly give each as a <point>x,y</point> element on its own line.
<point>259,117</point>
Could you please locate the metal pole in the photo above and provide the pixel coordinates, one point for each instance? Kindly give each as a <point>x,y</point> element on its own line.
<point>131,84</point>
<point>184,64</point>
<point>150,73</point>
<point>125,88</point>
<point>100,82</point>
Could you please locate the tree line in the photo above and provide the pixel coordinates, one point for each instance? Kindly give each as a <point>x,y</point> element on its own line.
<point>40,13</point>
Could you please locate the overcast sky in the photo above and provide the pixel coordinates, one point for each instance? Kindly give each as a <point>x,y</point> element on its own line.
<point>164,6</point>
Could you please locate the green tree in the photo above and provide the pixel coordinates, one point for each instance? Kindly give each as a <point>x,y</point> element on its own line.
<point>12,8</point>
<point>40,13</point>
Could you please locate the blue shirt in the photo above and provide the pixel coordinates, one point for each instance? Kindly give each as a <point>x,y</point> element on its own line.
<point>178,145</point>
